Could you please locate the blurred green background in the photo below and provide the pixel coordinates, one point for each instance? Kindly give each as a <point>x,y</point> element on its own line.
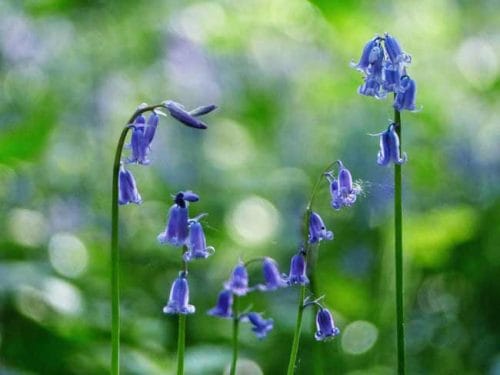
<point>71,74</point>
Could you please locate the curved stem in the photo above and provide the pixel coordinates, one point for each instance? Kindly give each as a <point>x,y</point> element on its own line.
<point>302,293</point>
<point>181,343</point>
<point>398,247</point>
<point>115,275</point>
<point>236,321</point>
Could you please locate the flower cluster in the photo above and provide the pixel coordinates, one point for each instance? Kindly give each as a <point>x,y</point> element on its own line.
<point>188,233</point>
<point>384,63</point>
<point>238,285</point>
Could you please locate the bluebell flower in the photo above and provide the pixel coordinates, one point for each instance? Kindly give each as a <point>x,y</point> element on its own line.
<point>150,129</point>
<point>127,188</point>
<point>176,232</point>
<point>406,95</point>
<point>196,243</point>
<point>138,143</point>
<point>342,190</point>
<point>392,78</point>
<point>178,112</point>
<point>325,327</point>
<point>389,148</point>
<point>224,307</point>
<point>372,87</point>
<point>260,326</point>
<point>317,229</point>
<point>238,282</point>
<point>178,302</point>
<point>297,275</point>
<point>273,279</point>
<point>394,51</point>
<point>368,56</point>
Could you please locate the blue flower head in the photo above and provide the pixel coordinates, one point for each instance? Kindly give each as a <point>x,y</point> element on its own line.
<point>196,243</point>
<point>127,188</point>
<point>325,327</point>
<point>297,274</point>
<point>389,148</point>
<point>342,189</point>
<point>188,118</point>
<point>260,326</point>
<point>223,309</point>
<point>176,232</point>
<point>317,229</point>
<point>383,63</point>
<point>178,302</point>
<point>272,277</point>
<point>238,282</point>
<point>151,126</point>
<point>138,142</point>
<point>405,95</point>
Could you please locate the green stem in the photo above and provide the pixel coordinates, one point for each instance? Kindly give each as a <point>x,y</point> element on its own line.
<point>181,343</point>
<point>236,321</point>
<point>398,228</point>
<point>296,336</point>
<point>115,274</point>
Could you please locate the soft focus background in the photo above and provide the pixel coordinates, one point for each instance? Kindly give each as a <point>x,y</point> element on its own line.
<point>71,74</point>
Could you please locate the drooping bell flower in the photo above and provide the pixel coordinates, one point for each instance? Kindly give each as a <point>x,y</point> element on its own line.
<point>394,51</point>
<point>368,55</point>
<point>150,129</point>
<point>127,188</point>
<point>406,96</point>
<point>138,143</point>
<point>178,301</point>
<point>238,282</point>
<point>325,327</point>
<point>317,229</point>
<point>389,148</point>
<point>196,243</point>
<point>224,306</point>
<point>260,326</point>
<point>297,275</point>
<point>176,232</point>
<point>273,279</point>
<point>190,119</point>
<point>342,189</point>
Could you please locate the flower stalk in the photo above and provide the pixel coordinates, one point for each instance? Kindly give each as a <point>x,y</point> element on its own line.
<point>236,323</point>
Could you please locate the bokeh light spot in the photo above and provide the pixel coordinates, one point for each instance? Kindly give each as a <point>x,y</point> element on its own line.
<point>27,227</point>
<point>62,296</point>
<point>253,221</point>
<point>359,337</point>
<point>478,62</point>
<point>67,254</point>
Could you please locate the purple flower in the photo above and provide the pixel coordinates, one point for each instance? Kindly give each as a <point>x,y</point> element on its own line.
<point>369,55</point>
<point>176,232</point>
<point>260,326</point>
<point>138,143</point>
<point>392,78</point>
<point>405,96</point>
<point>394,51</point>
<point>325,327</point>
<point>272,276</point>
<point>178,302</point>
<point>317,229</point>
<point>127,188</point>
<point>389,148</point>
<point>196,243</point>
<point>342,189</point>
<point>223,309</point>
<point>297,274</point>
<point>178,112</point>
<point>151,126</point>
<point>372,87</point>
<point>238,282</point>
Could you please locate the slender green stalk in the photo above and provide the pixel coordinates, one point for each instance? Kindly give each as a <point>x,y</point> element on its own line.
<point>115,274</point>
<point>398,229</point>
<point>181,343</point>
<point>296,336</point>
<point>302,293</point>
<point>236,322</point>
